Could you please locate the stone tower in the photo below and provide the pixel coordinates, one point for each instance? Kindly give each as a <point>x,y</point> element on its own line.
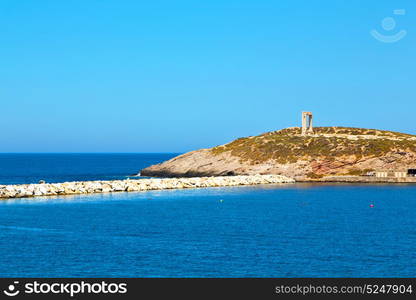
<point>307,127</point>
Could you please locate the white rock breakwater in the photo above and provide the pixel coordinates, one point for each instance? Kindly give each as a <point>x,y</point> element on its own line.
<point>136,185</point>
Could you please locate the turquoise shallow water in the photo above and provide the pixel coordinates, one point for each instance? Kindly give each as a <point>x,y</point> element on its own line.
<point>299,230</point>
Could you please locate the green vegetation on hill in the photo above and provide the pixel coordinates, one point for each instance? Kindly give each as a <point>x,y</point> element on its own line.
<point>288,146</point>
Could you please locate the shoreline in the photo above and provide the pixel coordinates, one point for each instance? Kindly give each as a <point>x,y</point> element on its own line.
<point>150,184</point>
<point>360,179</point>
<point>134,185</point>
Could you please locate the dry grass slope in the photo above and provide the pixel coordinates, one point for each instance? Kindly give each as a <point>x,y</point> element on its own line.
<point>288,146</point>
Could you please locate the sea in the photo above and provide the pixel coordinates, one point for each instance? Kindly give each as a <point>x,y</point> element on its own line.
<point>287,230</point>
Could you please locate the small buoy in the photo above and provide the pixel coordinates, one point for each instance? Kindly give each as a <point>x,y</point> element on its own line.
<point>371,205</point>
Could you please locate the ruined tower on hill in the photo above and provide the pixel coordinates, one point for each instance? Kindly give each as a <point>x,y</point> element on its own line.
<point>307,127</point>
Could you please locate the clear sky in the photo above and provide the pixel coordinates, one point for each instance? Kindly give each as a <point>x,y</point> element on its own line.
<point>173,76</point>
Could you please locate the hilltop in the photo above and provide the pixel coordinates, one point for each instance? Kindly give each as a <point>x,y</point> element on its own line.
<point>328,151</point>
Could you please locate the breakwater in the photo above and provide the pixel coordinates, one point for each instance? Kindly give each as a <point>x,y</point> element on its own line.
<point>360,179</point>
<point>134,185</point>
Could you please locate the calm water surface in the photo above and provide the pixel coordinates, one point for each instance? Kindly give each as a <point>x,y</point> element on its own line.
<point>283,231</point>
<point>61,167</point>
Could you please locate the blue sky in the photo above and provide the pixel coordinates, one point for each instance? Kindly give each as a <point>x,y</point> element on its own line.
<point>173,76</point>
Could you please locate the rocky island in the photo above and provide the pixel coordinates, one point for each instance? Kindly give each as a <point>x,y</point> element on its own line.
<point>302,153</point>
<point>327,154</point>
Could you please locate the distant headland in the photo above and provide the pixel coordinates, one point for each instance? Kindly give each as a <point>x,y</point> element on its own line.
<point>305,154</point>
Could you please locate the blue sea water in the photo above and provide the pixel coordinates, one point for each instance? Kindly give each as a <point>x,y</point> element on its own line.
<point>293,230</point>
<point>59,167</point>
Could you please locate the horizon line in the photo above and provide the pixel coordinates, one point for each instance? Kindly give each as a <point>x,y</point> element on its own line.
<point>91,152</point>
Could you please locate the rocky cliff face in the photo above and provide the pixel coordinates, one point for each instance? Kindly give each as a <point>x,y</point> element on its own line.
<point>329,151</point>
